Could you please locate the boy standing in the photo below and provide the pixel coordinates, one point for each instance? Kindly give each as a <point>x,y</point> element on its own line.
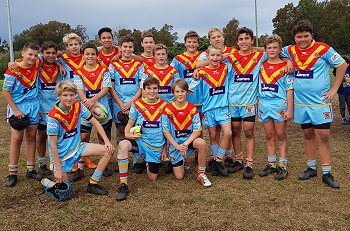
<point>108,52</point>
<point>148,44</point>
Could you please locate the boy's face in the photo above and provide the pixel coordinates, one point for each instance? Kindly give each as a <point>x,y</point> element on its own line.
<point>127,48</point>
<point>161,56</point>
<point>148,44</point>
<point>191,44</point>
<point>151,91</point>
<point>30,56</point>
<point>245,42</point>
<point>217,39</point>
<point>273,50</point>
<point>303,39</point>
<point>106,39</point>
<point>180,94</point>
<point>49,55</point>
<point>90,56</point>
<point>214,57</point>
<point>74,47</point>
<point>67,98</point>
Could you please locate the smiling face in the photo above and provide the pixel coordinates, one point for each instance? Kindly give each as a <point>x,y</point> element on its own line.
<point>161,57</point>
<point>245,42</point>
<point>29,56</point>
<point>273,50</point>
<point>180,94</point>
<point>90,56</point>
<point>303,39</point>
<point>73,46</point>
<point>151,92</point>
<point>127,48</point>
<point>49,55</point>
<point>67,98</point>
<point>217,39</point>
<point>106,40</point>
<point>214,57</point>
<point>191,45</point>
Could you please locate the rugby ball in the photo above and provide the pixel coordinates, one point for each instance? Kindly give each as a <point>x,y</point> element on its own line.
<point>100,112</point>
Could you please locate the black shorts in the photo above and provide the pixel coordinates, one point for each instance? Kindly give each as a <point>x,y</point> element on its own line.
<point>154,167</point>
<point>42,127</point>
<point>317,126</point>
<point>245,119</point>
<point>107,127</point>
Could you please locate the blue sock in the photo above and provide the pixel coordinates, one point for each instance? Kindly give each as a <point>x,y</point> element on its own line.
<point>272,160</point>
<point>95,178</point>
<point>311,164</point>
<point>214,150</point>
<point>221,154</point>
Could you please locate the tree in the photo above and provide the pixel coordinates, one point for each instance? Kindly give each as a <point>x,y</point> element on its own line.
<point>230,32</point>
<point>203,43</point>
<point>81,31</point>
<point>166,36</point>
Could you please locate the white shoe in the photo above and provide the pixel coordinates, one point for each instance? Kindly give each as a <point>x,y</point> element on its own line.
<point>203,180</point>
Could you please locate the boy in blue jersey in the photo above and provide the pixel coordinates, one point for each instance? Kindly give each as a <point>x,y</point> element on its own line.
<point>313,95</point>
<point>182,128</point>
<point>65,145</point>
<point>145,112</point>
<point>20,91</point>
<point>275,106</point>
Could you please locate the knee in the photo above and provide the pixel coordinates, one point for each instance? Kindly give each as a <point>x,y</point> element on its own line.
<point>201,144</point>
<point>179,177</point>
<point>281,137</point>
<point>309,136</point>
<point>249,134</point>
<point>236,131</point>
<point>324,138</point>
<point>123,148</point>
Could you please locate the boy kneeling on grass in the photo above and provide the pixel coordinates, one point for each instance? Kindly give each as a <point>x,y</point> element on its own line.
<point>65,146</point>
<point>182,128</point>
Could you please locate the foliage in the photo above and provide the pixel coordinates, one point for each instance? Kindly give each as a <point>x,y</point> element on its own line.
<point>230,32</point>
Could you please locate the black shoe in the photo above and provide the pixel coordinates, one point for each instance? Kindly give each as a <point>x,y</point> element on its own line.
<point>44,170</point>
<point>248,173</point>
<point>329,180</point>
<point>236,166</point>
<point>218,169</point>
<point>269,169</point>
<point>96,189</point>
<point>77,176</point>
<point>228,162</point>
<point>107,172</point>
<point>122,192</point>
<point>34,175</point>
<point>169,168</point>
<point>209,167</point>
<point>138,168</point>
<point>195,158</point>
<point>307,174</point>
<point>281,174</point>
<point>11,181</point>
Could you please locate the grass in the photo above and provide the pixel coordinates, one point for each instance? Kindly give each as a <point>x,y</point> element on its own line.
<point>230,204</point>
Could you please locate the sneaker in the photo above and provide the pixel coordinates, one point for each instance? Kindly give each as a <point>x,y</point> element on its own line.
<point>11,181</point>
<point>169,168</point>
<point>75,168</point>
<point>34,175</point>
<point>269,169</point>
<point>236,166</point>
<point>209,167</point>
<point>107,172</point>
<point>138,168</point>
<point>281,174</point>
<point>122,192</point>
<point>344,121</point>
<point>77,176</point>
<point>96,189</point>
<point>187,164</point>
<point>44,170</point>
<point>307,174</point>
<point>203,180</point>
<point>248,173</point>
<point>218,169</point>
<point>329,180</point>
<point>89,164</point>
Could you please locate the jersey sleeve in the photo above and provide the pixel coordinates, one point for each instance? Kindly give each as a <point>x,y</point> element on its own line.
<point>203,56</point>
<point>165,123</point>
<point>85,113</point>
<point>196,122</point>
<point>133,112</point>
<point>78,82</point>
<point>52,127</point>
<point>284,53</point>
<point>9,82</point>
<point>106,80</point>
<point>333,58</point>
<point>289,82</point>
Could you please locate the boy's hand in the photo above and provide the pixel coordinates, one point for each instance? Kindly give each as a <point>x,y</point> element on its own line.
<point>89,104</point>
<point>12,66</point>
<point>110,148</point>
<point>164,155</point>
<point>289,67</point>
<point>327,97</point>
<point>58,174</point>
<point>62,71</point>
<point>224,56</point>
<point>17,113</point>
<point>125,107</point>
<point>288,116</point>
<point>195,74</point>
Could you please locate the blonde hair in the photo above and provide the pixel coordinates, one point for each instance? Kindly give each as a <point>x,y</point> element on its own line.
<point>214,29</point>
<point>214,47</point>
<point>160,46</point>
<point>65,85</point>
<point>181,83</point>
<point>273,38</point>
<point>71,36</point>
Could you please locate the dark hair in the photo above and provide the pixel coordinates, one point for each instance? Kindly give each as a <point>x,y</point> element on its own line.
<point>146,34</point>
<point>303,26</point>
<point>245,30</point>
<point>48,44</point>
<point>30,45</point>
<point>191,34</point>
<point>126,39</point>
<point>149,81</point>
<point>90,45</point>
<point>181,83</point>
<point>104,29</point>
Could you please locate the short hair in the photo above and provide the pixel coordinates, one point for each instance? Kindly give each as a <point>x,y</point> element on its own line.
<point>214,47</point>
<point>245,30</point>
<point>214,29</point>
<point>126,38</point>
<point>146,34</point>
<point>181,83</point>
<point>149,81</point>
<point>273,38</point>
<point>303,26</point>
<point>104,29</point>
<point>48,44</point>
<point>191,34</point>
<point>30,45</point>
<point>160,46</point>
<point>71,36</point>
<point>65,85</point>
<point>90,45</point>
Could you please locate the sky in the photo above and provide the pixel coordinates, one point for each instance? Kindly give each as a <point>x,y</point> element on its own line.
<point>183,15</point>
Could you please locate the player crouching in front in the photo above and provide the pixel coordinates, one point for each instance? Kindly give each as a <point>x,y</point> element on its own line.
<point>182,128</point>
<point>65,146</point>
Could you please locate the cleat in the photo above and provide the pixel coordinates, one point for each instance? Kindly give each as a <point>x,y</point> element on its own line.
<point>269,169</point>
<point>281,174</point>
<point>122,192</point>
<point>96,189</point>
<point>248,173</point>
<point>203,180</point>
<point>138,168</point>
<point>218,169</point>
<point>344,121</point>
<point>44,170</point>
<point>209,167</point>
<point>89,164</point>
<point>307,174</point>
<point>169,168</point>
<point>75,168</point>
<point>107,172</point>
<point>77,176</point>
<point>236,166</point>
<point>11,181</point>
<point>34,175</point>
<point>228,162</point>
<point>329,180</point>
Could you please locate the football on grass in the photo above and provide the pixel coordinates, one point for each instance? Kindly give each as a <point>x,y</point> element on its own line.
<point>100,112</point>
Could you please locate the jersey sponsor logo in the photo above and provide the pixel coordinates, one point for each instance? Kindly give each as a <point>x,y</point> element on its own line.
<point>70,133</point>
<point>8,83</point>
<point>51,125</point>
<point>25,90</point>
<point>217,91</point>
<point>301,74</point>
<point>164,90</point>
<point>71,74</point>
<point>269,87</point>
<point>48,86</point>
<point>150,124</point>
<point>182,133</point>
<point>327,115</point>
<point>91,93</point>
<point>249,110</point>
<point>188,73</point>
<point>127,81</point>
<point>244,78</point>
<point>335,57</point>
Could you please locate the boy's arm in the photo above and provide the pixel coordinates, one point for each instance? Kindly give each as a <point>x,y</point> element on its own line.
<point>56,160</point>
<point>202,63</point>
<point>338,80</point>
<point>107,143</point>
<point>171,140</point>
<point>8,98</point>
<point>137,58</point>
<point>290,102</point>
<point>90,103</point>
<point>63,71</point>
<point>192,137</point>
<point>127,133</point>
<point>127,105</point>
<point>115,95</point>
